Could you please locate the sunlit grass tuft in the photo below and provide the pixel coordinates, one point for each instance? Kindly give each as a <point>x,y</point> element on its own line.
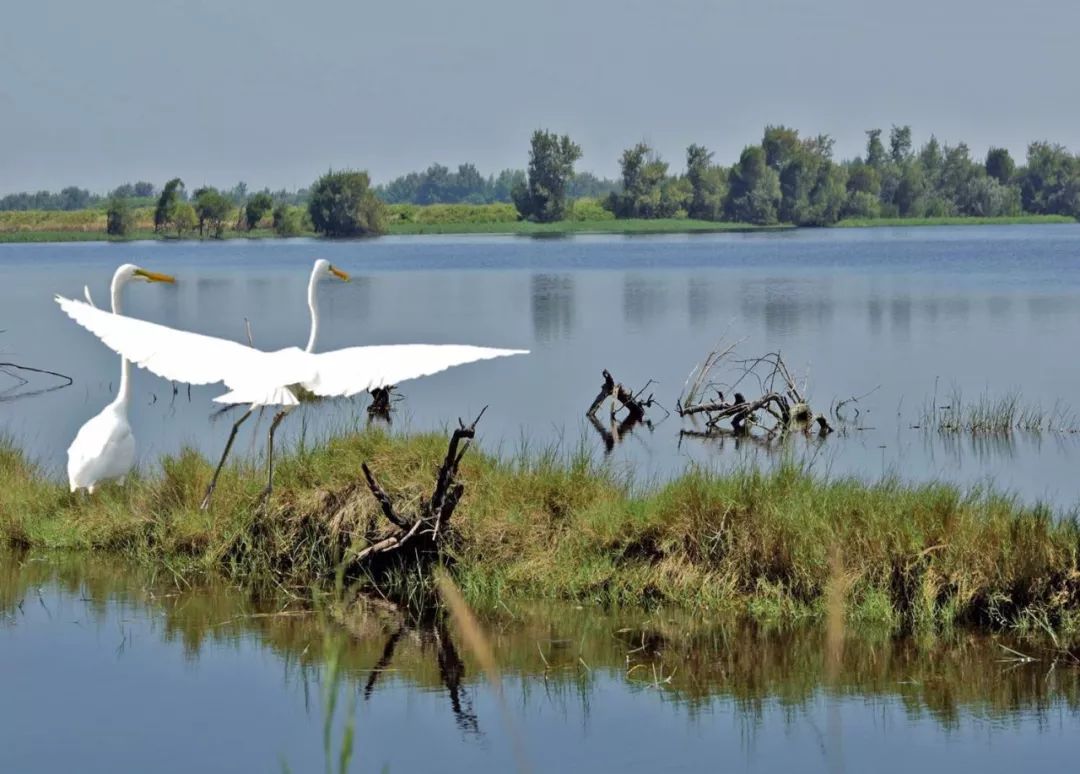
<point>559,524</point>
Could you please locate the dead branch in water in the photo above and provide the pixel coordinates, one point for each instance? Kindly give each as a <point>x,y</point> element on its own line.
<point>779,408</point>
<point>12,393</point>
<point>423,529</point>
<point>382,402</point>
<point>621,398</point>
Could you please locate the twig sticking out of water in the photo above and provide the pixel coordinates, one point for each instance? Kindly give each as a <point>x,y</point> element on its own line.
<point>11,393</point>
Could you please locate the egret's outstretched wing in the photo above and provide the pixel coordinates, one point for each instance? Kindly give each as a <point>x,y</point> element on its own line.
<point>183,356</point>
<point>356,369</point>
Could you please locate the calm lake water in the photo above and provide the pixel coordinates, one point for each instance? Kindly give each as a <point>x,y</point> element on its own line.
<point>107,670</point>
<point>903,314</point>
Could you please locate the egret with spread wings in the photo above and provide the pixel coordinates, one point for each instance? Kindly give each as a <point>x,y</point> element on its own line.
<point>261,378</point>
<point>104,447</point>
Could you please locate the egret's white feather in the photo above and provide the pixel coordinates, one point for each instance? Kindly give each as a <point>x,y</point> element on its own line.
<point>352,370</point>
<point>103,448</point>
<point>182,356</point>
<point>265,378</point>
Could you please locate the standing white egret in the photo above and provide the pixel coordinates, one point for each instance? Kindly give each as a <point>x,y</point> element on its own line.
<point>276,378</point>
<point>104,447</point>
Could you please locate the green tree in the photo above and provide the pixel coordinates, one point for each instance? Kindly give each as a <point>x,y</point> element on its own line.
<point>1050,183</point>
<point>256,208</point>
<point>551,166</point>
<point>435,186</point>
<point>643,177</point>
<point>503,185</point>
<point>863,191</point>
<point>400,190</point>
<point>468,185</point>
<point>342,204</point>
<point>753,189</point>
<point>781,146</point>
<point>958,172</point>
<point>984,196</point>
<point>900,144</point>
<point>828,196</point>
<point>119,218</point>
<point>211,208</point>
<point>708,184</point>
<point>143,189</point>
<point>164,213</point>
<point>1000,165</point>
<point>875,151</point>
<point>183,218</point>
<point>588,185</point>
<point>932,161</point>
<point>675,196</point>
<point>911,191</point>
<point>288,220</point>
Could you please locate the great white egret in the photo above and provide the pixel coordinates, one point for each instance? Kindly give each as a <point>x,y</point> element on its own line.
<point>104,447</point>
<point>319,271</point>
<point>278,378</point>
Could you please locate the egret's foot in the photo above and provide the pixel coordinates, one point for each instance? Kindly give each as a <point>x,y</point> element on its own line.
<point>205,504</point>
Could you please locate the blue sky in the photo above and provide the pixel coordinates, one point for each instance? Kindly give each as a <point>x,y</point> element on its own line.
<point>274,93</point>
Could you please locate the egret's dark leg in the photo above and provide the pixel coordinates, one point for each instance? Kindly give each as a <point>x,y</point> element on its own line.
<point>228,446</point>
<point>270,455</point>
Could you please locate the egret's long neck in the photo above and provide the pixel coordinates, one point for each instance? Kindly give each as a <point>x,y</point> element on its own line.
<point>125,367</point>
<point>313,305</point>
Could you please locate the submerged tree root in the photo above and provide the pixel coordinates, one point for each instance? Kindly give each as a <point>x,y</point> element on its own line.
<point>422,532</point>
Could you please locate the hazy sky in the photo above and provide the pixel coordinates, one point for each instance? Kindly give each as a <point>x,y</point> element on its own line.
<point>274,92</point>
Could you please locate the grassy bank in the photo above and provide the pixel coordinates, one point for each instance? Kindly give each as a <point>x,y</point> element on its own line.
<point>1005,220</point>
<point>406,219</point>
<point>566,227</point>
<point>774,545</point>
<point>89,226</point>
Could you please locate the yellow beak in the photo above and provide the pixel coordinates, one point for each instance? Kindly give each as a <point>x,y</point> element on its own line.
<point>153,276</point>
<point>341,275</point>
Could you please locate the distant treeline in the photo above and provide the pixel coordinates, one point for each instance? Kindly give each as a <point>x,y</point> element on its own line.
<point>792,179</point>
<point>438,185</point>
<point>785,178</point>
<point>141,193</point>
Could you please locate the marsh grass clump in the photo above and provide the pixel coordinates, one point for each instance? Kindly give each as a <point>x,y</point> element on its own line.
<point>779,545</point>
<point>990,415</point>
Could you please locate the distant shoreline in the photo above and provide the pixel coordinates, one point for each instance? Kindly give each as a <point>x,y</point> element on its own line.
<point>628,226</point>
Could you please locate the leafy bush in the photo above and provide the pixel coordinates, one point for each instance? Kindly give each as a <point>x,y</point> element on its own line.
<point>119,217</point>
<point>590,209</point>
<point>343,205</point>
<point>183,218</point>
<point>289,221</point>
<point>212,208</point>
<point>256,208</point>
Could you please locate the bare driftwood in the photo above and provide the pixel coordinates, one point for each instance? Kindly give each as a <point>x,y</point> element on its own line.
<point>621,398</point>
<point>423,529</point>
<point>780,405</point>
<point>382,400</point>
